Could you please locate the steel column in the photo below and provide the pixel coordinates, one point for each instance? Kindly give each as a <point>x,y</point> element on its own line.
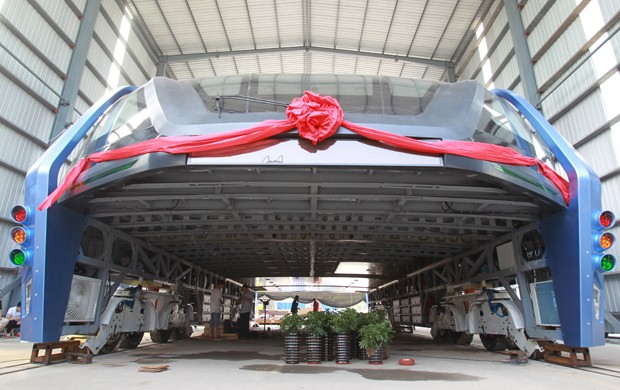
<point>76,67</point>
<point>522,51</point>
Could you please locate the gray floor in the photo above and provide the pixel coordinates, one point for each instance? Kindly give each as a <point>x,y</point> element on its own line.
<point>258,364</point>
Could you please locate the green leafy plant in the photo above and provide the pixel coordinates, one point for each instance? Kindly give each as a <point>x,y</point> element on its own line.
<point>291,323</point>
<point>344,321</point>
<point>374,335</point>
<point>315,323</point>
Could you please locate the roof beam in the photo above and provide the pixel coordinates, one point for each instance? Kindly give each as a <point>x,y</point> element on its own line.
<point>201,56</point>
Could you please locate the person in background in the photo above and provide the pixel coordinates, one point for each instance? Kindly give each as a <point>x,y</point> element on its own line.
<point>315,305</point>
<point>217,300</point>
<point>3,321</point>
<point>295,305</point>
<point>14,315</point>
<point>245,302</point>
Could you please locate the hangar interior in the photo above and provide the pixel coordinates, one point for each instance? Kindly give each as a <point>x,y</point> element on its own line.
<point>347,229</point>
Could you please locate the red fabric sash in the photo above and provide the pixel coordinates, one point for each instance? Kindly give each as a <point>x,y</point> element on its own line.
<point>316,118</point>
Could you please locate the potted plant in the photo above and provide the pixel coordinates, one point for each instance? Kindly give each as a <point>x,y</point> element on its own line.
<point>315,328</point>
<point>374,337</point>
<point>291,326</point>
<point>327,344</point>
<point>343,323</point>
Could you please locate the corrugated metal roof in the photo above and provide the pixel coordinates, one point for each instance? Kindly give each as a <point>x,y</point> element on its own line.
<point>409,38</point>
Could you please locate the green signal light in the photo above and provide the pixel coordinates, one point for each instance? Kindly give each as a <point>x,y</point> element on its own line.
<point>608,262</point>
<point>17,257</point>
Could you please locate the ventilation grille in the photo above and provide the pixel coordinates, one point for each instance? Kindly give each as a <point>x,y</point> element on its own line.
<point>82,305</point>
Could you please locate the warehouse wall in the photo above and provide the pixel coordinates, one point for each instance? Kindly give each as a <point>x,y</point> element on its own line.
<point>577,94</point>
<point>38,38</point>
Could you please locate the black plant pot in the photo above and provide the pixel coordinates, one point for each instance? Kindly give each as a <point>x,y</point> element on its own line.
<point>363,354</point>
<point>354,345</point>
<point>342,344</point>
<point>313,347</point>
<point>377,356</point>
<point>327,347</point>
<point>291,348</point>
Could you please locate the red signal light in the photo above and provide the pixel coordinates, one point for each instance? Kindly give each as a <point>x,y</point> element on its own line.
<point>20,214</point>
<point>607,219</point>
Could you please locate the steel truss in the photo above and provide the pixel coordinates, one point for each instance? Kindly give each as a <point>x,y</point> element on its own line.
<point>408,300</point>
<point>116,258</point>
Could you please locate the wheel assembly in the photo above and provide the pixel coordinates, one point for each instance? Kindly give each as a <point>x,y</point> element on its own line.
<point>160,336</point>
<point>493,342</point>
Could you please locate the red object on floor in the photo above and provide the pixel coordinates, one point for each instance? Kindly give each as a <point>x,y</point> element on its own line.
<point>406,361</point>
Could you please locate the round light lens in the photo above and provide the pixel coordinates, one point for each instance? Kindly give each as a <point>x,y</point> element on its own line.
<point>19,235</point>
<point>608,262</point>
<point>607,240</point>
<point>19,214</point>
<point>17,257</point>
<point>607,219</point>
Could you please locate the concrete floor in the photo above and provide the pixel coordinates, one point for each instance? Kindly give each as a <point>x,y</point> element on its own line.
<point>259,364</point>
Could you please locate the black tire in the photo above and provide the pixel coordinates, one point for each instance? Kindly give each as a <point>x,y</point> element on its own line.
<point>160,336</point>
<point>462,338</point>
<point>112,344</point>
<point>444,336</point>
<point>185,332</point>
<point>493,342</point>
<point>131,340</point>
<point>174,334</point>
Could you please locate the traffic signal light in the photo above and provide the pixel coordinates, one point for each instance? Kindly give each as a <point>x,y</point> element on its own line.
<point>604,240</point>
<point>21,235</point>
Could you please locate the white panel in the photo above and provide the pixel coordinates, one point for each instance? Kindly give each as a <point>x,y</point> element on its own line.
<point>179,19</point>
<point>582,119</point>
<point>498,25</point>
<point>508,75</point>
<point>569,90</point>
<point>377,25</point>
<point>324,20</point>
<point>414,71</point>
<point>81,106</point>
<point>600,153</point>
<point>118,47</point>
<point>36,29</point>
<point>133,42</point>
<point>24,111</point>
<point>289,20</point>
<point>149,11</point>
<point>350,25</point>
<point>367,66</point>
<point>390,68</point>
<point>236,24</point>
<point>530,10</point>
<point>80,4</point>
<point>436,16</point>
<point>292,62</point>
<point>264,24</point>
<point>38,67</point>
<point>405,24</point>
<point>457,28</point>
<point>549,24</point>
<point>558,54</point>
<point>609,8</point>
<point>249,64</point>
<point>344,64</point>
<point>62,16</point>
<point>91,86</point>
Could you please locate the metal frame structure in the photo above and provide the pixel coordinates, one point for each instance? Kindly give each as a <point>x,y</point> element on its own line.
<point>260,213</point>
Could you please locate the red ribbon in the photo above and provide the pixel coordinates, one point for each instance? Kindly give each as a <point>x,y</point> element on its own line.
<point>316,118</point>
